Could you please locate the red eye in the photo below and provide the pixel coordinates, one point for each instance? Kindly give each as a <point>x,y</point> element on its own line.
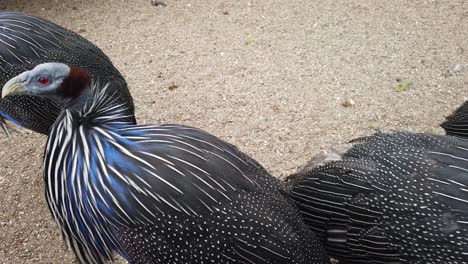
<point>43,80</point>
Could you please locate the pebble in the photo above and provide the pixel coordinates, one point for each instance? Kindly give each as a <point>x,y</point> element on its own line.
<point>158,3</point>
<point>348,103</point>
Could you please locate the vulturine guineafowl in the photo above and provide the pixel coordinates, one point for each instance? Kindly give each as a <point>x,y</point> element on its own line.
<point>389,198</point>
<point>26,41</point>
<point>157,193</point>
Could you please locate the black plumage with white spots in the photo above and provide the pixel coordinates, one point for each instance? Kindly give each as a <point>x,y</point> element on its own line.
<point>26,41</point>
<point>157,193</point>
<point>390,198</point>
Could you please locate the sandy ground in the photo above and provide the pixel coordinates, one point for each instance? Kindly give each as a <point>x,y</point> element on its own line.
<point>269,76</point>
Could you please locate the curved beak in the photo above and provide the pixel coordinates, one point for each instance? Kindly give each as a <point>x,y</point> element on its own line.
<point>13,87</point>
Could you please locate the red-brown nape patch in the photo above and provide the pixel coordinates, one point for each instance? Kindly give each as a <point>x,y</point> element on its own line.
<point>75,83</point>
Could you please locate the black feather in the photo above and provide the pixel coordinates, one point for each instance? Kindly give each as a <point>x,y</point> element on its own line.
<point>392,198</point>
<point>456,124</point>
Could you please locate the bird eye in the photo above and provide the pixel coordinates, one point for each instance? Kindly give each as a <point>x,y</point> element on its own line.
<point>43,80</point>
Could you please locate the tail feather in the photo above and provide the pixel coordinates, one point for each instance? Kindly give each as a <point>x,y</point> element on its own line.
<point>456,124</point>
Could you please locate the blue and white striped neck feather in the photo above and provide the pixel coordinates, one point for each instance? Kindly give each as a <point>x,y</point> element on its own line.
<point>69,174</point>
<point>97,105</point>
<point>103,174</point>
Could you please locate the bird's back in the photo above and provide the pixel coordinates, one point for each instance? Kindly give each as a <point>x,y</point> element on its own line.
<point>391,198</point>
<point>168,194</point>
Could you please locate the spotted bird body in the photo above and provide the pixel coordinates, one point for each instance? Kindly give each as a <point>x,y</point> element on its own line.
<point>166,194</point>
<point>390,198</point>
<point>26,41</point>
<point>157,193</point>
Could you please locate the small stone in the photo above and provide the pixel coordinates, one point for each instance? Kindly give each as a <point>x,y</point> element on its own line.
<point>275,108</point>
<point>226,13</point>
<point>457,69</point>
<point>348,103</point>
<point>172,87</point>
<point>157,3</point>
